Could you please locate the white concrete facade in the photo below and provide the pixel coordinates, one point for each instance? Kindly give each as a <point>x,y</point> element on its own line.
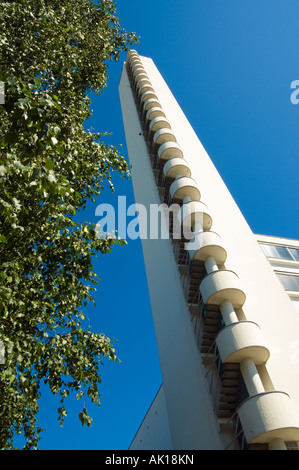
<point>283,263</point>
<point>236,285</point>
<point>154,433</point>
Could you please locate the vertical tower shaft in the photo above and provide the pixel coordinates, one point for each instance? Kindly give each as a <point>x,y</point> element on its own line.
<point>213,294</point>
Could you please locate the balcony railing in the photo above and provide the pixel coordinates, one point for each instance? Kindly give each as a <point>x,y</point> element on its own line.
<point>238,440</point>
<point>227,386</point>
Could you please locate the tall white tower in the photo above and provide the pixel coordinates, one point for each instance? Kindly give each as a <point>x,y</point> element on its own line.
<point>224,325</point>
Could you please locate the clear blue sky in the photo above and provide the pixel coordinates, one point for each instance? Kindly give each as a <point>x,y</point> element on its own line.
<point>230,65</point>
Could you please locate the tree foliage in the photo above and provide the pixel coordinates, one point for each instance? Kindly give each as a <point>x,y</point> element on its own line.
<point>53,54</point>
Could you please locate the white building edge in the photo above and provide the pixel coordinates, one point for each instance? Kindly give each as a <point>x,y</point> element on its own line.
<point>226,319</point>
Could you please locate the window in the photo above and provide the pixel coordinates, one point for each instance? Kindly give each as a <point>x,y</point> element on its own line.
<point>269,251</point>
<point>281,252</point>
<point>295,253</point>
<point>291,445</point>
<point>289,281</point>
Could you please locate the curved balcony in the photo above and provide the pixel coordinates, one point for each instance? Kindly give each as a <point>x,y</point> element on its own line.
<point>132,59</point>
<point>138,70</point>
<point>144,87</point>
<point>139,77</point>
<point>176,167</point>
<point>159,123</point>
<point>192,213</point>
<point>222,285</point>
<point>148,95</point>
<point>133,53</point>
<point>268,416</point>
<point>135,61</point>
<point>242,340</point>
<point>168,150</point>
<point>205,244</point>
<point>136,65</point>
<point>184,187</point>
<point>154,112</point>
<point>151,103</point>
<point>164,135</point>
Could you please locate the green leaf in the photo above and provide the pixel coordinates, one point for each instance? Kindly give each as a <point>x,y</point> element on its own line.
<point>12,379</point>
<point>57,130</point>
<point>49,164</point>
<point>60,149</point>
<point>46,256</point>
<point>52,177</point>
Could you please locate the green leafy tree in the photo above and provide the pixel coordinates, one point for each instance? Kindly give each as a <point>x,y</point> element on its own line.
<point>53,54</point>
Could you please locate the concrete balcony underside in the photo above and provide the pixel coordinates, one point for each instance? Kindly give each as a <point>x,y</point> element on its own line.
<point>164,135</point>
<point>240,341</point>
<point>150,103</point>
<point>144,87</point>
<point>135,62</point>
<point>176,167</point>
<point>154,112</point>
<point>169,150</point>
<point>147,95</point>
<point>207,244</point>
<point>159,123</point>
<point>193,213</point>
<point>184,187</point>
<point>269,416</point>
<point>222,285</point>
<point>141,78</point>
<point>138,68</point>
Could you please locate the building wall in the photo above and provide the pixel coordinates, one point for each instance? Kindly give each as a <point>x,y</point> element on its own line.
<point>191,418</point>
<point>285,263</point>
<point>154,433</point>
